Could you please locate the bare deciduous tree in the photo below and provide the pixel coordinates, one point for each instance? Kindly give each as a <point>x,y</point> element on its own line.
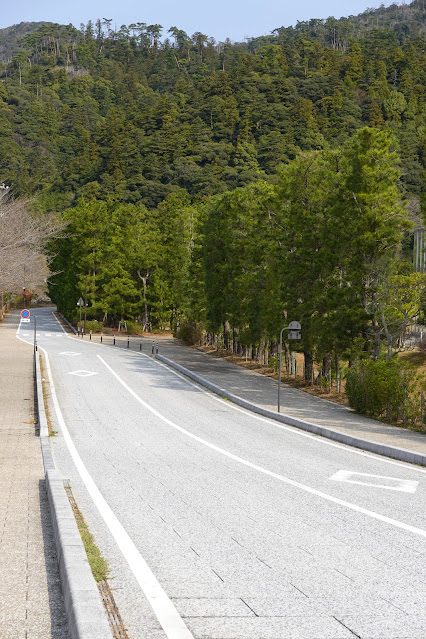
<point>23,239</point>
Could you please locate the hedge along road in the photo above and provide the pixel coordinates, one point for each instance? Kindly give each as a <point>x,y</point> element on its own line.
<point>251,529</point>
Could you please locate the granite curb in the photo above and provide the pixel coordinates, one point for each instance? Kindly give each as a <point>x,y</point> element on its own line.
<point>70,326</point>
<point>400,454</point>
<point>83,603</point>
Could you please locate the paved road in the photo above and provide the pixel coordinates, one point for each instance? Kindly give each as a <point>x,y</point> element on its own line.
<point>262,390</point>
<point>253,530</point>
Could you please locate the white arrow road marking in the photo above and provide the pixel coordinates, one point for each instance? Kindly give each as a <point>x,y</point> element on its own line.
<point>364,479</point>
<point>70,353</point>
<point>82,373</point>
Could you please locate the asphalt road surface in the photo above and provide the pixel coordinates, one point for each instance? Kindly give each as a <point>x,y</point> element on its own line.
<point>220,524</point>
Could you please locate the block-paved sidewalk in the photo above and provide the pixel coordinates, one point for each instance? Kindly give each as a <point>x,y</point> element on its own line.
<point>31,602</point>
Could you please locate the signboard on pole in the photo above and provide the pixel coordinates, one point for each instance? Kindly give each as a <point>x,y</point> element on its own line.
<point>25,315</point>
<point>294,328</point>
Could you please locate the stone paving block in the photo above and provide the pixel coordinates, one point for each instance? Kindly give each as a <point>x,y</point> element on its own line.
<point>286,606</point>
<point>211,607</point>
<point>29,607</point>
<point>397,626</point>
<point>269,628</point>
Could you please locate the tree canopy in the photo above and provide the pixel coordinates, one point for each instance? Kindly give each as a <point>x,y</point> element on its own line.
<point>233,185</point>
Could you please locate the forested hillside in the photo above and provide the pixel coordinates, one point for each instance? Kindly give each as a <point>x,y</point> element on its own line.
<point>11,38</point>
<point>179,162</point>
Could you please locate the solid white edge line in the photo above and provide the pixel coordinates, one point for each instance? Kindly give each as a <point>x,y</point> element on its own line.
<point>265,471</point>
<point>164,609</point>
<point>289,429</point>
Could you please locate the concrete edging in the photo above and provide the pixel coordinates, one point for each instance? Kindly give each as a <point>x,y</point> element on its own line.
<point>83,604</point>
<point>70,326</point>
<point>357,442</point>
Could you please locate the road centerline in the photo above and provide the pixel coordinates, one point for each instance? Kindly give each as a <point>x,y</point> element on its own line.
<point>313,491</point>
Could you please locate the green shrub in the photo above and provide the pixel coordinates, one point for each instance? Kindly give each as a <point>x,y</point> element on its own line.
<point>381,389</point>
<point>92,325</point>
<point>133,328</point>
<point>189,332</point>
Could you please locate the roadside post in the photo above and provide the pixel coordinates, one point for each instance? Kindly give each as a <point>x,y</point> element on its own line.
<point>294,333</point>
<point>80,303</point>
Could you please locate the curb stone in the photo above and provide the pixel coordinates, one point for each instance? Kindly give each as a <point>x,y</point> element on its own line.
<point>83,603</point>
<point>357,442</point>
<point>67,323</point>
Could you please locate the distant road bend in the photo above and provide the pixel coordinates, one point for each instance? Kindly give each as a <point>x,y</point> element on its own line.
<point>219,524</point>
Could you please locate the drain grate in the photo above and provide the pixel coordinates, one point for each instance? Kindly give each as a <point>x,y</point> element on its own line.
<point>115,621</point>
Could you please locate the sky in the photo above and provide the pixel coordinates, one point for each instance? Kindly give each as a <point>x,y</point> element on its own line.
<point>221,19</point>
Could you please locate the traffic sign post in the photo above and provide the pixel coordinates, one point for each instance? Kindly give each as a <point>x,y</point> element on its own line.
<point>294,333</point>
<point>25,315</point>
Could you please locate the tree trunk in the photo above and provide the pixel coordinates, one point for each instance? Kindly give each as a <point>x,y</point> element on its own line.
<point>337,366</point>
<point>226,335</point>
<point>287,357</point>
<point>146,322</point>
<point>326,365</point>
<point>260,352</point>
<point>376,329</point>
<point>388,336</point>
<point>309,366</point>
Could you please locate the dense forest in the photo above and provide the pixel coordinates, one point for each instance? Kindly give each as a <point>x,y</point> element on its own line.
<point>228,187</point>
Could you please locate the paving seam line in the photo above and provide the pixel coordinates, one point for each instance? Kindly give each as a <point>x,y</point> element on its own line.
<point>83,604</point>
<point>401,454</point>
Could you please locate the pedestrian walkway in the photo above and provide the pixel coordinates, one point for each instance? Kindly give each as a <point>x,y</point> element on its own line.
<point>263,390</point>
<point>31,602</point>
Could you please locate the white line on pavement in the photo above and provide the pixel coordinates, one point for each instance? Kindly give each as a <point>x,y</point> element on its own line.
<point>270,421</point>
<point>286,480</point>
<point>288,429</point>
<point>366,479</point>
<point>166,613</point>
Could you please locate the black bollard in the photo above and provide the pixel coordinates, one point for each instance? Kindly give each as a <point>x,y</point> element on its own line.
<point>128,342</point>
<point>114,340</point>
